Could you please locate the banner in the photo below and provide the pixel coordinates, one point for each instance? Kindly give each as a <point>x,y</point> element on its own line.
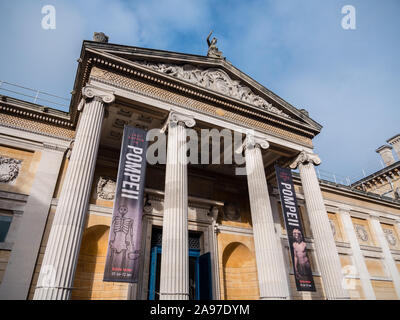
<point>301,263</point>
<point>123,254</point>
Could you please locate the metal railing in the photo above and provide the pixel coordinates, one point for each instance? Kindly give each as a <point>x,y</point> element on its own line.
<point>349,180</point>
<point>37,96</point>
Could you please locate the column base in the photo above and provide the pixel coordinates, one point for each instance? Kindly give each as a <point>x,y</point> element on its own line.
<point>274,298</point>
<point>174,296</point>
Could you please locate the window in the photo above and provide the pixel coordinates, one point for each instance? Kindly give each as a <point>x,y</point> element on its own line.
<point>5,222</point>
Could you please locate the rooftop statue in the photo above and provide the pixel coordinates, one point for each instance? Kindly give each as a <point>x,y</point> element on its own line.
<point>213,51</point>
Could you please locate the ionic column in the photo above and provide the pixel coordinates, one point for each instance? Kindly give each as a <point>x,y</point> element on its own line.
<point>174,278</point>
<point>387,255</point>
<point>325,247</point>
<point>58,267</point>
<point>271,269</point>
<point>357,255</point>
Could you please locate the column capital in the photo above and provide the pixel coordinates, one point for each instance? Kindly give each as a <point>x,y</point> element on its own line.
<point>304,158</point>
<point>255,142</point>
<point>251,142</point>
<point>176,117</point>
<point>89,92</point>
<point>344,209</point>
<point>374,215</point>
<point>54,147</point>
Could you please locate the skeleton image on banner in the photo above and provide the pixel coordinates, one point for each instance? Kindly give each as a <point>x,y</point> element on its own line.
<point>123,255</point>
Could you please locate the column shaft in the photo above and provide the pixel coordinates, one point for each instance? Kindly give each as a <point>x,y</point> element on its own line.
<point>269,256</point>
<point>174,278</point>
<point>325,247</point>
<point>60,259</point>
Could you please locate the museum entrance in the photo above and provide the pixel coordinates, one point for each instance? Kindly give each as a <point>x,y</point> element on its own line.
<point>200,286</point>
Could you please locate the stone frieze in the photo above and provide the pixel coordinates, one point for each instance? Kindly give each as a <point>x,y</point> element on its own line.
<point>216,80</point>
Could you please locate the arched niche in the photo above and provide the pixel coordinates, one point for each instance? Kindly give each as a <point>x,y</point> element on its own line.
<point>88,282</point>
<point>240,272</point>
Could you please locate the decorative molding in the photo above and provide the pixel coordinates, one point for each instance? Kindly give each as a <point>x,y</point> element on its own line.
<point>33,112</point>
<point>221,228</point>
<point>9,169</point>
<point>216,80</point>
<point>106,188</point>
<point>304,158</point>
<point>54,147</point>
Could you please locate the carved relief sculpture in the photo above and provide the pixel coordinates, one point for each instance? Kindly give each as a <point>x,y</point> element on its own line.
<point>216,80</point>
<point>390,237</point>
<point>361,232</point>
<point>9,169</point>
<point>106,188</point>
<point>231,212</point>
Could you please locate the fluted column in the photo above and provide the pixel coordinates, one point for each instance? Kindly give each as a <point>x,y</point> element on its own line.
<point>325,247</point>
<point>58,267</point>
<point>174,278</point>
<point>271,269</point>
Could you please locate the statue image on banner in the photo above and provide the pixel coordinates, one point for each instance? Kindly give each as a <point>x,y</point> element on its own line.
<point>302,267</point>
<point>297,245</point>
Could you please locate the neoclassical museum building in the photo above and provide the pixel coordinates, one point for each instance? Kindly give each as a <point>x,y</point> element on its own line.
<point>221,235</point>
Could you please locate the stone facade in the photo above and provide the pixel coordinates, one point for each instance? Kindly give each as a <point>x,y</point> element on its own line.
<point>352,238</point>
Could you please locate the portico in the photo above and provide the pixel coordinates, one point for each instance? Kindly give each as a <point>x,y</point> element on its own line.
<point>135,88</point>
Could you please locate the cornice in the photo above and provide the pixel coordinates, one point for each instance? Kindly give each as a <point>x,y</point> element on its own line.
<point>34,111</point>
<point>381,174</point>
<point>178,57</point>
<point>348,191</point>
<point>91,57</point>
<point>140,73</point>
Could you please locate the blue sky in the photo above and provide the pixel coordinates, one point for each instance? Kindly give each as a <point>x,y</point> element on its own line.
<point>348,80</point>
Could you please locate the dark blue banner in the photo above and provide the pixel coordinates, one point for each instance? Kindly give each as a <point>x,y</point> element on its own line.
<point>301,263</point>
<point>123,255</point>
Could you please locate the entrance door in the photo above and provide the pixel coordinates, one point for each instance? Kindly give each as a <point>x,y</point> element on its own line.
<point>200,284</point>
<point>199,275</point>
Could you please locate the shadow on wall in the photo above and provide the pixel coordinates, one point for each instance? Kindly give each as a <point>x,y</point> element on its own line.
<point>88,283</point>
<point>240,273</point>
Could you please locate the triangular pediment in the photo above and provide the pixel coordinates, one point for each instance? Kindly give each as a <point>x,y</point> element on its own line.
<point>212,74</point>
<point>214,79</point>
